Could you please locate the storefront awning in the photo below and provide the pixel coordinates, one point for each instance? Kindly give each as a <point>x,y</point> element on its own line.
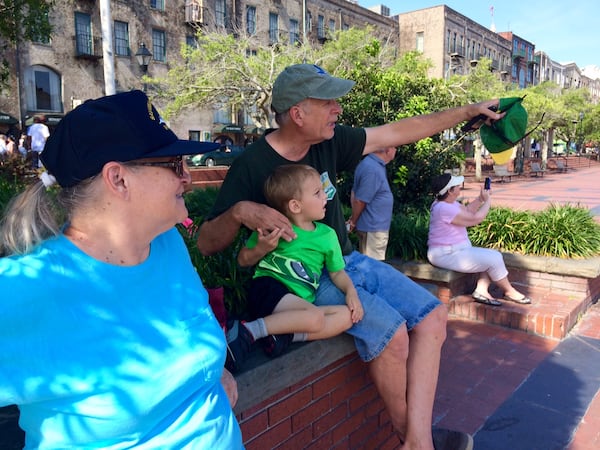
<point>7,119</point>
<point>232,129</point>
<point>255,130</point>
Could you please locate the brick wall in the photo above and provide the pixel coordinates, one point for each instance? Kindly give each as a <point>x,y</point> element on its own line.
<point>337,407</point>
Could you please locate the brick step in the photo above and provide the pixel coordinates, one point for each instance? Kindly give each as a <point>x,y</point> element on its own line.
<point>561,291</point>
<point>551,314</point>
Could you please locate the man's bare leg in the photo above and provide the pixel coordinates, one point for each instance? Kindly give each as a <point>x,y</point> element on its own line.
<point>423,366</point>
<point>388,372</point>
<point>407,381</point>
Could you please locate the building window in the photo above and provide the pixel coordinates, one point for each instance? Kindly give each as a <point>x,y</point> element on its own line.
<point>159,46</point>
<point>121,38</point>
<point>420,41</point>
<point>273,28</point>
<point>320,27</point>
<point>249,113</point>
<point>294,32</point>
<point>220,13</point>
<point>222,114</point>
<point>157,4</point>
<point>42,89</point>
<point>194,135</point>
<point>83,34</point>
<point>331,26</point>
<point>251,20</point>
<point>250,52</point>
<point>308,21</point>
<point>191,41</point>
<point>37,38</point>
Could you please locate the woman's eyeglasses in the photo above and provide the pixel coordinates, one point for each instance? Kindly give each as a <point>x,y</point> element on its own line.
<point>176,164</point>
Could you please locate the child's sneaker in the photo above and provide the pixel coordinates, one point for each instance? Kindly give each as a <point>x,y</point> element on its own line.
<point>239,345</point>
<point>276,344</point>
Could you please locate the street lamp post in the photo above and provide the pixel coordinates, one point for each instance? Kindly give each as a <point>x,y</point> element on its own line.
<point>580,132</point>
<point>143,57</point>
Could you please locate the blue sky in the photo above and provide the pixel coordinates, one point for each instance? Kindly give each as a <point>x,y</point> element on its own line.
<point>565,30</point>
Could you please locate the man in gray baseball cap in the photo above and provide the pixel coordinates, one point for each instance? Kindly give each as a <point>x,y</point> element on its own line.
<point>402,320</point>
<point>303,81</point>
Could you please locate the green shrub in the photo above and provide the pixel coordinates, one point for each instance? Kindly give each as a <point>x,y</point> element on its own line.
<point>408,235</point>
<point>565,231</point>
<point>221,269</point>
<point>15,174</point>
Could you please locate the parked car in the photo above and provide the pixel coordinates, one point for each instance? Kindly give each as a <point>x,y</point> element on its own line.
<point>223,156</point>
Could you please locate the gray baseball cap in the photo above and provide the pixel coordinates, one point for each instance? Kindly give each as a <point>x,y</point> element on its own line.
<point>302,81</point>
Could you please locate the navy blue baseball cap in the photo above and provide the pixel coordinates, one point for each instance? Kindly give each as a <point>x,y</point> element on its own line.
<point>122,127</point>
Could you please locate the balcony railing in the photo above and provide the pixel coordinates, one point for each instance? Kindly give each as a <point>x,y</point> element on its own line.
<point>457,51</point>
<point>519,54</point>
<point>195,12</point>
<point>87,46</point>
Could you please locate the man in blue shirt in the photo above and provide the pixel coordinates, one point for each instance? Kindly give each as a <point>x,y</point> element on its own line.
<point>372,203</point>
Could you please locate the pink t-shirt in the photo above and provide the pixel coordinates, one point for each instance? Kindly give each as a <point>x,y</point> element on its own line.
<point>441,230</point>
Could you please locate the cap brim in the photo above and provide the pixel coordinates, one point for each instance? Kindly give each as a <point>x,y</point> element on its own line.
<point>334,88</point>
<point>182,147</point>
<point>457,180</point>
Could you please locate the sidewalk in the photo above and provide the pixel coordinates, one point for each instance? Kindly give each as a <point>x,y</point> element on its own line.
<point>517,391</point>
<point>580,186</point>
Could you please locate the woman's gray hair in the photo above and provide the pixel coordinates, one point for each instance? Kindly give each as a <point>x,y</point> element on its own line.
<point>37,214</point>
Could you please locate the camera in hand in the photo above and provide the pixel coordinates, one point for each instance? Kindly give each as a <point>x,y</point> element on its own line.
<point>487,184</point>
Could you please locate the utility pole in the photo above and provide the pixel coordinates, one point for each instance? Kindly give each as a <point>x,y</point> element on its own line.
<point>107,48</point>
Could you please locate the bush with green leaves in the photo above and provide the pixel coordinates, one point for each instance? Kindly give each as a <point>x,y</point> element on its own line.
<point>15,174</point>
<point>221,269</point>
<point>563,231</point>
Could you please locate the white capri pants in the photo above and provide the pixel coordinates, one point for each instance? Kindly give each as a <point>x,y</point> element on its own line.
<point>468,259</point>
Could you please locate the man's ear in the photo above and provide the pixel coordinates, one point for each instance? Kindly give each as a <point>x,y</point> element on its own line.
<point>294,206</point>
<point>114,176</point>
<point>297,114</point>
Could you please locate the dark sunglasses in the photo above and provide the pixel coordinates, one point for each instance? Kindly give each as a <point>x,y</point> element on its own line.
<point>176,165</point>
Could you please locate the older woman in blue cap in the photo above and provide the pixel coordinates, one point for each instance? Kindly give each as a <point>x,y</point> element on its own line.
<point>108,340</point>
<point>449,246</point>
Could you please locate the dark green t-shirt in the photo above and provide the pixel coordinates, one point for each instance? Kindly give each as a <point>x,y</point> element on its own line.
<point>246,177</point>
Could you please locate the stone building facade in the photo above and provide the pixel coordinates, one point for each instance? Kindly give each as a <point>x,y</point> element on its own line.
<point>54,77</point>
<point>452,42</point>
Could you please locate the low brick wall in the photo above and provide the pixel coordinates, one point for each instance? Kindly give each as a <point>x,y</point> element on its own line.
<point>317,396</point>
<point>203,177</point>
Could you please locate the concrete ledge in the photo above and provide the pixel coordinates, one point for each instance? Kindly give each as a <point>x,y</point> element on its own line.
<point>425,271</point>
<point>583,268</point>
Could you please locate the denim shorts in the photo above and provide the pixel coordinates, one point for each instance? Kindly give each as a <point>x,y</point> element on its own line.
<point>389,299</point>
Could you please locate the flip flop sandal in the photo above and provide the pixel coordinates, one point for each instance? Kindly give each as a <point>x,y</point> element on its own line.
<point>485,300</point>
<point>521,301</point>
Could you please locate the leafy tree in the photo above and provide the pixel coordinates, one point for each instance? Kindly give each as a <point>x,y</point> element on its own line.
<point>226,69</point>
<point>385,94</point>
<point>20,21</point>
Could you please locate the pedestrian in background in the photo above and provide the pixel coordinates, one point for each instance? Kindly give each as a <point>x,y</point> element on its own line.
<point>37,134</point>
<point>372,203</point>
